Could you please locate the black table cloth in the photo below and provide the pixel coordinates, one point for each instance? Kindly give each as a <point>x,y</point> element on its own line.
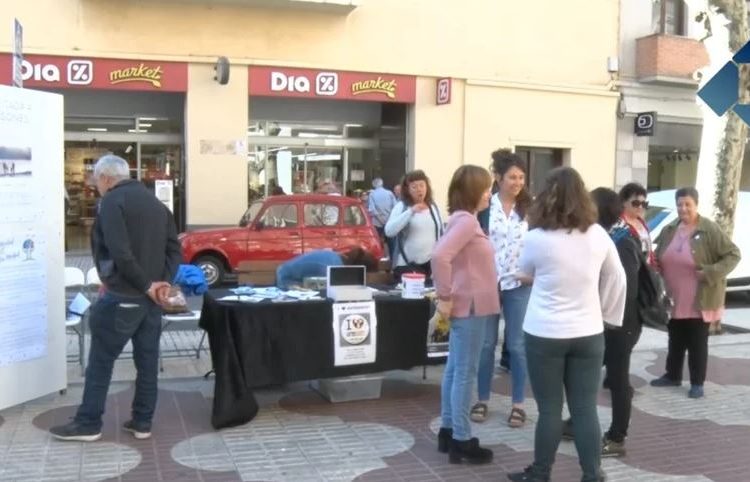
<point>271,343</point>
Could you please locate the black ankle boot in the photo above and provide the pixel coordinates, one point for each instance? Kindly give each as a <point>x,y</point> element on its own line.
<point>444,440</point>
<point>468,451</point>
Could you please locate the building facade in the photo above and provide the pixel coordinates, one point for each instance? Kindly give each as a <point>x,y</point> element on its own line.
<point>660,55</point>
<point>319,92</point>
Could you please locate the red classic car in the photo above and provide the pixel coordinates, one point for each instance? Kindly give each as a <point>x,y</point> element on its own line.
<point>279,228</point>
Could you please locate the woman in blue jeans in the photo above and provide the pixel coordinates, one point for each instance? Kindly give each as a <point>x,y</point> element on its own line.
<point>578,282</point>
<point>506,227</point>
<point>465,287</point>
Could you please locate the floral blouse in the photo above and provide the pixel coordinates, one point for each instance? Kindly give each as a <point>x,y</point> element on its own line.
<point>506,234</point>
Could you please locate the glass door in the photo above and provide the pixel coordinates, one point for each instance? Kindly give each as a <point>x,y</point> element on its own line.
<point>81,195</point>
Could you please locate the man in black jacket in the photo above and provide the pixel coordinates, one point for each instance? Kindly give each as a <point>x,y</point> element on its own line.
<point>137,254</point>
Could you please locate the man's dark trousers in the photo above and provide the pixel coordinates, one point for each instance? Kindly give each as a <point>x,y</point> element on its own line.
<point>113,322</point>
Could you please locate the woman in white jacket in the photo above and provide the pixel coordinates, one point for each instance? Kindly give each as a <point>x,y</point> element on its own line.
<point>579,284</point>
<point>415,224</point>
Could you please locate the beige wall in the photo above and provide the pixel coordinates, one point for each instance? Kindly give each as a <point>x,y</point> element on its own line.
<point>525,73</point>
<point>509,116</point>
<point>216,183</point>
<point>482,118</point>
<point>438,136</point>
<point>548,40</point>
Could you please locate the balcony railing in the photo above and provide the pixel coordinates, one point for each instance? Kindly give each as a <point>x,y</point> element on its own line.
<point>669,59</point>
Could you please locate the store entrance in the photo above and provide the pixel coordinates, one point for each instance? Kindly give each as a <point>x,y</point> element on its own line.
<point>152,161</point>
<point>310,168</point>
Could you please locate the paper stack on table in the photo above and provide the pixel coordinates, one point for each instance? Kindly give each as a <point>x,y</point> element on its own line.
<point>246,294</point>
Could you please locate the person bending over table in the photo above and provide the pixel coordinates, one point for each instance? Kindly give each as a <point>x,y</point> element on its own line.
<point>315,264</point>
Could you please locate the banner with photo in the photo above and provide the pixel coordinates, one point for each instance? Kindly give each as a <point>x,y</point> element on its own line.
<point>354,333</point>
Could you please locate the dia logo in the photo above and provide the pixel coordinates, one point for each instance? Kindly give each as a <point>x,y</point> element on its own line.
<point>79,72</point>
<point>47,73</point>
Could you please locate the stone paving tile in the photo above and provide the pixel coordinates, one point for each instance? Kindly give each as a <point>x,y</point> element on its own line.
<point>300,437</point>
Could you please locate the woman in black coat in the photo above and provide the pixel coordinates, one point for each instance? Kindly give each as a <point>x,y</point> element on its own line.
<point>619,342</point>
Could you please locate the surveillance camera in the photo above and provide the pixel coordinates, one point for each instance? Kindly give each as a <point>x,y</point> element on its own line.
<point>697,75</point>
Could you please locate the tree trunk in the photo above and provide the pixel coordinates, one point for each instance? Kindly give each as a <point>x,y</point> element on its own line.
<point>723,140</point>
<point>716,42</point>
<point>732,146</point>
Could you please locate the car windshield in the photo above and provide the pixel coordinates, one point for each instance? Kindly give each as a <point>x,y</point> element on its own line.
<point>654,215</point>
<point>251,213</point>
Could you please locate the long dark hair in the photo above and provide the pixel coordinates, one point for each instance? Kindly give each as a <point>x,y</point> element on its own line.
<point>502,161</point>
<point>563,203</point>
<point>411,177</point>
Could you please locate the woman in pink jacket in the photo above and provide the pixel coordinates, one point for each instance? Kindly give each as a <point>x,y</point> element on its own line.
<point>466,285</point>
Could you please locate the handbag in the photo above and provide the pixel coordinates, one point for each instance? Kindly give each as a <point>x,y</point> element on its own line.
<point>654,303</point>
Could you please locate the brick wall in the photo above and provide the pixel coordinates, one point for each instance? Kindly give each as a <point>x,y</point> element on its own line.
<point>669,56</point>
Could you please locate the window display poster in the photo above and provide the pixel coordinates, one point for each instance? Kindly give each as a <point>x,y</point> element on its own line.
<point>32,296</point>
<point>165,192</point>
<point>354,333</point>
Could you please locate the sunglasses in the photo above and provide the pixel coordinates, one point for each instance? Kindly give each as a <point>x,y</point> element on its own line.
<point>639,204</point>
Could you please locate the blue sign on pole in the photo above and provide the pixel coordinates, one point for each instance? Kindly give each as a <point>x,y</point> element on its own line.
<point>721,92</point>
<point>17,53</point>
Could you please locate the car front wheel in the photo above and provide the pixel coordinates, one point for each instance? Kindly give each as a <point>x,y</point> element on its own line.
<point>213,269</point>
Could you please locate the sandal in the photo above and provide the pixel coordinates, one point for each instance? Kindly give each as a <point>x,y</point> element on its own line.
<point>517,418</point>
<point>479,412</point>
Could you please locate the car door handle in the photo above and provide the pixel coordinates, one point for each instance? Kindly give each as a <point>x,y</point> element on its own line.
<point>294,233</point>
<point>330,233</point>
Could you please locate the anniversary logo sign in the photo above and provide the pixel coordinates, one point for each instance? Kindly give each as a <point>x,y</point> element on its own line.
<point>354,333</point>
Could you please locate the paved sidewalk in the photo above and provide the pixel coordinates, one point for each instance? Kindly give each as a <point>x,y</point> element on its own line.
<point>300,437</point>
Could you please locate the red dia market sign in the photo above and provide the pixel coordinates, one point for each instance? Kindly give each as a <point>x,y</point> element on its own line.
<point>48,71</point>
<point>331,84</point>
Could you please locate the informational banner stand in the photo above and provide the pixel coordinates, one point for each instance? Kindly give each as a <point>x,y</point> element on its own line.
<point>32,258</point>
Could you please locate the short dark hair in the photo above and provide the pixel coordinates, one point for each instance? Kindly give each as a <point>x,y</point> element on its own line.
<point>563,203</point>
<point>686,192</point>
<point>410,177</point>
<point>356,255</point>
<point>632,189</point>
<point>502,161</point>
<point>467,187</point>
<point>609,206</point>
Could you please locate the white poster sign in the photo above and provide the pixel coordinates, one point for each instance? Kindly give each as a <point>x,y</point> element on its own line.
<point>284,170</point>
<point>355,329</point>
<point>32,294</point>
<point>165,192</point>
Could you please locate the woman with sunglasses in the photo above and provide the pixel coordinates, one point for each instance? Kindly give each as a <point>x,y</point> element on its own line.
<point>633,196</point>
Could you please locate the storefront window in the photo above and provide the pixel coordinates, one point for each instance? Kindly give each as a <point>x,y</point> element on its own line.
<point>306,162</point>
<point>82,196</point>
<point>303,146</point>
<point>158,164</point>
